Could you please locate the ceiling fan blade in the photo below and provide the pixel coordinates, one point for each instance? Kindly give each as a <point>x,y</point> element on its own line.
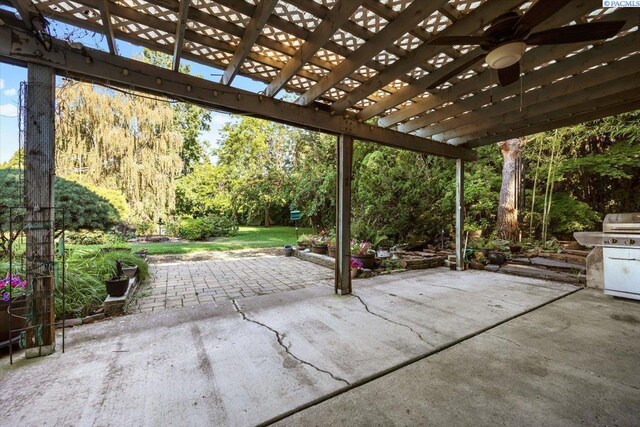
<point>509,75</point>
<point>457,40</point>
<point>576,33</point>
<point>538,12</point>
<point>455,71</point>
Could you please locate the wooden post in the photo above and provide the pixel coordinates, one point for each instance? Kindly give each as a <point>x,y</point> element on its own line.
<point>460,214</point>
<point>39,154</point>
<point>343,215</point>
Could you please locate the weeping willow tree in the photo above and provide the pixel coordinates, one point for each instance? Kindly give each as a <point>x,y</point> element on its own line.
<point>121,142</point>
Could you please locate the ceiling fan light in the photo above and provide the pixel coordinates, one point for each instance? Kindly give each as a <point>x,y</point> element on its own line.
<point>505,55</point>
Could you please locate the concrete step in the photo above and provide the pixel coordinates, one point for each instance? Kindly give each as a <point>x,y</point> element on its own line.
<point>551,264</point>
<point>542,273</point>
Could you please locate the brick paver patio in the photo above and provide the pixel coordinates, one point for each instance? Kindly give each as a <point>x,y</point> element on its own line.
<point>185,284</point>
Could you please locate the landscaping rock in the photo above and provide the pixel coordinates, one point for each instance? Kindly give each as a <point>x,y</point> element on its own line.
<point>492,267</point>
<point>69,323</point>
<point>93,318</point>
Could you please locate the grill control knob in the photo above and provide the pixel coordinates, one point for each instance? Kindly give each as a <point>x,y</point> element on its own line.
<point>611,241</point>
<point>614,240</point>
<point>629,242</point>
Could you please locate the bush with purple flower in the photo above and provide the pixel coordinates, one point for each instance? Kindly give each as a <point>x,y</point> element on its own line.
<point>355,264</point>
<point>12,286</point>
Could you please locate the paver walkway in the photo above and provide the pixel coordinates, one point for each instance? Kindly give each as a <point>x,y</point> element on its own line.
<point>186,284</point>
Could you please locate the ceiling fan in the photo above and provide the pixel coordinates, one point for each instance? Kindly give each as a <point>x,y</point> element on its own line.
<point>508,36</point>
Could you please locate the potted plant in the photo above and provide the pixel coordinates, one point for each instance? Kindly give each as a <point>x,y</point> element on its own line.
<point>331,244</point>
<point>319,245</point>
<point>355,266</point>
<point>13,307</point>
<point>361,251</point>
<point>117,282</point>
<point>288,250</point>
<point>304,242</point>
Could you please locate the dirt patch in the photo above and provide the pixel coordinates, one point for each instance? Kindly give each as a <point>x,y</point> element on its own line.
<point>203,256</point>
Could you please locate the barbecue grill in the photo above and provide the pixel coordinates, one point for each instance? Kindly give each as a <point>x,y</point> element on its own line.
<point>620,241</point>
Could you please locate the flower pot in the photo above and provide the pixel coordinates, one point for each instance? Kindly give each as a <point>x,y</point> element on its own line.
<point>319,249</point>
<point>497,258</point>
<point>14,313</point>
<point>301,246</point>
<point>332,251</point>
<point>130,271</point>
<point>288,250</point>
<point>117,287</point>
<point>515,249</point>
<point>368,261</point>
<point>354,273</point>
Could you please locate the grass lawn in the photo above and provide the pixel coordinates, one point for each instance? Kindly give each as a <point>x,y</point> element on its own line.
<point>247,238</point>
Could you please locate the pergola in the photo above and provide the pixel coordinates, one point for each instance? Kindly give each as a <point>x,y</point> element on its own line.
<point>363,69</point>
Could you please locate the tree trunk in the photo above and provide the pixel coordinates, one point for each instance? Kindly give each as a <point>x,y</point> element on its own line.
<point>507,210</point>
<point>267,216</point>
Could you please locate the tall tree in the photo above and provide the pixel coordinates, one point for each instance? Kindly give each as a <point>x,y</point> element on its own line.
<point>120,141</point>
<point>507,224</point>
<point>190,119</point>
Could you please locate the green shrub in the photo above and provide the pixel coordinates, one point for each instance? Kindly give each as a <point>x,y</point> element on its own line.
<point>207,227</point>
<point>86,237</point>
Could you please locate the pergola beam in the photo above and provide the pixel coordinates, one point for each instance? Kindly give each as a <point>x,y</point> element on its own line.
<point>592,112</point>
<point>560,95</point>
<point>468,24</point>
<point>181,26</point>
<point>252,31</point>
<point>100,67</point>
<point>339,14</point>
<point>408,19</point>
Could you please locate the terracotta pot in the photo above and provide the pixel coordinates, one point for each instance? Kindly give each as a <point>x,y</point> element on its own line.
<point>515,249</point>
<point>354,273</point>
<point>301,246</point>
<point>368,261</point>
<point>332,251</point>
<point>319,249</point>
<point>17,312</point>
<point>117,287</point>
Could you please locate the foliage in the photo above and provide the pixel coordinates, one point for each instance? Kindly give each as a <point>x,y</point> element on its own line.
<point>568,214</point>
<point>189,119</point>
<point>596,172</point>
<point>84,279</point>
<point>355,264</point>
<point>207,227</point>
<point>304,239</point>
<point>360,248</point>
<point>121,142</point>
<point>203,192</point>
<point>12,286</point>
<point>82,208</point>
<point>87,237</point>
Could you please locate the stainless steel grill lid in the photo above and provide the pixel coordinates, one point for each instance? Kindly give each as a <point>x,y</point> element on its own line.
<point>621,223</point>
<point>618,230</point>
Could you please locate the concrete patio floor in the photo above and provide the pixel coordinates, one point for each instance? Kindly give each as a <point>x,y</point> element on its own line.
<point>572,362</point>
<point>249,361</point>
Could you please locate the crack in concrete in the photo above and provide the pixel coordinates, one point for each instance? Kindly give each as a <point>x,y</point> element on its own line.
<point>561,362</point>
<point>391,321</point>
<point>279,338</point>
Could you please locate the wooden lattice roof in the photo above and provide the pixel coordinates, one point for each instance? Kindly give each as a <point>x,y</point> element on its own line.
<point>372,58</point>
